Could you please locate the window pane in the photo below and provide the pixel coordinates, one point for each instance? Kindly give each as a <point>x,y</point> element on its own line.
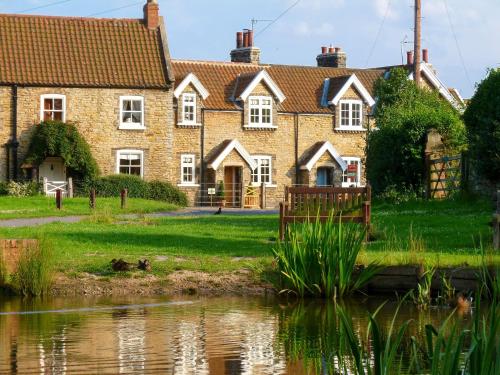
<point>135,171</point>
<point>58,104</point>
<point>127,105</point>
<point>137,105</point>
<point>136,117</point>
<point>57,116</point>
<point>47,104</point>
<point>266,115</point>
<point>127,117</point>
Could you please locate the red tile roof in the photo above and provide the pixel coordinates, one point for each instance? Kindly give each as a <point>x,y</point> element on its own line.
<point>302,85</point>
<point>66,51</point>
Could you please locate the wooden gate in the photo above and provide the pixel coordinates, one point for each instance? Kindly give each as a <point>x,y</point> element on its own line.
<point>444,176</point>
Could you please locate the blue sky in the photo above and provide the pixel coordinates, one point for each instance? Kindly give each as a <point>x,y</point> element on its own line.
<point>205,29</point>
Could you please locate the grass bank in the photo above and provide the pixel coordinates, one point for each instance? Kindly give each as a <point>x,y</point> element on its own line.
<point>445,234</point>
<point>41,206</point>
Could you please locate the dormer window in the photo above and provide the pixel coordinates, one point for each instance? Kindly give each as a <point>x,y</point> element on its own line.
<point>351,114</point>
<point>189,108</point>
<point>260,111</point>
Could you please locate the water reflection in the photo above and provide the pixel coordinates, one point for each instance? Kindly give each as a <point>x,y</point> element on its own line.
<point>208,336</point>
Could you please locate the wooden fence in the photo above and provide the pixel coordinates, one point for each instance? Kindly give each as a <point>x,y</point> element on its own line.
<point>310,203</point>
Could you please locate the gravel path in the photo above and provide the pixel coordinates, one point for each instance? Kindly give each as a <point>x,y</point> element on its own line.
<point>194,211</point>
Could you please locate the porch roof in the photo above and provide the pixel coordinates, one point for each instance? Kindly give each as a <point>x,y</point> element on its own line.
<point>225,149</point>
<point>312,156</point>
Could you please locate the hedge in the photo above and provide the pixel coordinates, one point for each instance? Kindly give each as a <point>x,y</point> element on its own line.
<point>111,186</point>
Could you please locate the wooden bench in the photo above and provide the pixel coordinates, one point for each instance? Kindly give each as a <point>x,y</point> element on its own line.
<point>302,204</point>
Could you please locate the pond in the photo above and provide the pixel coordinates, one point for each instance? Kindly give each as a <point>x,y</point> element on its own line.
<point>185,336</point>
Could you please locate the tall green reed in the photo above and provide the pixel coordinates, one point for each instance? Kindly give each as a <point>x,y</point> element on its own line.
<point>319,259</point>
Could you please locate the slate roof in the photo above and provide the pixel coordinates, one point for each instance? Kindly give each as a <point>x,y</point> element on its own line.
<point>81,52</point>
<point>301,85</point>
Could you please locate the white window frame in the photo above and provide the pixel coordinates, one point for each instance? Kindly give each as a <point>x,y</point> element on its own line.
<point>350,103</point>
<point>127,125</point>
<point>130,151</point>
<point>260,107</point>
<point>190,104</point>
<point>349,160</point>
<point>188,165</point>
<point>52,96</point>
<point>258,160</point>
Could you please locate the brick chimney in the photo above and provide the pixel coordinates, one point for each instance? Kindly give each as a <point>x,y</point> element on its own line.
<point>332,57</point>
<point>409,58</point>
<point>152,14</point>
<point>425,55</point>
<point>245,51</point>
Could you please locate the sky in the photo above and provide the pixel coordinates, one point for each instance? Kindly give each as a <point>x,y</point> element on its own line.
<point>461,35</point>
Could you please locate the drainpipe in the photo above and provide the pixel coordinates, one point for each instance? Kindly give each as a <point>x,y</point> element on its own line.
<point>13,143</point>
<point>202,153</point>
<point>296,145</point>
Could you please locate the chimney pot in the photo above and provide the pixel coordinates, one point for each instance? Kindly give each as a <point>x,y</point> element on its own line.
<point>239,39</point>
<point>324,50</point>
<point>425,55</point>
<point>245,38</point>
<point>152,14</point>
<point>250,38</point>
<point>409,57</point>
<point>331,50</point>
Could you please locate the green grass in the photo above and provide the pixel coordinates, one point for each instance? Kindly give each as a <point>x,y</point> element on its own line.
<point>449,231</point>
<point>41,206</point>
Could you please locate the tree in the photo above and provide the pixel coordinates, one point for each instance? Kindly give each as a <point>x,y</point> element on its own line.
<point>54,138</point>
<point>404,114</point>
<point>482,119</point>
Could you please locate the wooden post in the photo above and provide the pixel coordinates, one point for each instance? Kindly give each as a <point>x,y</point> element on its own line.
<point>123,195</point>
<point>70,187</point>
<point>496,225</point>
<point>282,222</point>
<point>416,41</point>
<point>428,175</point>
<point>45,182</point>
<point>58,199</point>
<point>92,199</point>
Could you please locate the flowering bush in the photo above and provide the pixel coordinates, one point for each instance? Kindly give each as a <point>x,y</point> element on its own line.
<point>22,189</point>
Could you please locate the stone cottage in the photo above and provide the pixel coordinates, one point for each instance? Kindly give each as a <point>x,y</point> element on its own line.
<point>242,127</point>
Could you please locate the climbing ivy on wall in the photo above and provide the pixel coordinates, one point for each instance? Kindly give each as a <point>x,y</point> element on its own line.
<point>54,138</point>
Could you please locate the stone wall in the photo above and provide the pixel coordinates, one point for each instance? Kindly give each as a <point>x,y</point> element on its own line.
<point>96,114</point>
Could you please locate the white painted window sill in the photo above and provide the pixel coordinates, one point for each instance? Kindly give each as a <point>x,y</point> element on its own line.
<point>351,128</point>
<point>188,185</point>
<point>189,124</point>
<point>260,127</point>
<point>267,185</point>
<point>131,127</point>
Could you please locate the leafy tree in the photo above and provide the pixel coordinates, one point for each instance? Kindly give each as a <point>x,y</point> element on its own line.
<point>482,118</point>
<point>54,138</point>
<point>404,114</point>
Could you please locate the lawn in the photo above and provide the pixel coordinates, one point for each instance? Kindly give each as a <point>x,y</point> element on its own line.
<point>41,206</point>
<point>444,233</point>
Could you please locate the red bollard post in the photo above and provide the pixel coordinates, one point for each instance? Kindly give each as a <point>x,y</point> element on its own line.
<point>92,199</point>
<point>124,195</point>
<point>58,199</point>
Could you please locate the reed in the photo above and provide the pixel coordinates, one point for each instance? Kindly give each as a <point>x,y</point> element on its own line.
<point>34,273</point>
<point>319,259</point>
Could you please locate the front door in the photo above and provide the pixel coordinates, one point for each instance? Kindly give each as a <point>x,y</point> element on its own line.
<point>53,169</point>
<point>324,176</point>
<point>232,186</point>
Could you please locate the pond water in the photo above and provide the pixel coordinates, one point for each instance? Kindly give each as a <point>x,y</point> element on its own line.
<point>182,336</point>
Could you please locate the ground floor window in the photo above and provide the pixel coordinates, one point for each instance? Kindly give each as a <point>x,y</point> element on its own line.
<point>188,163</point>
<point>324,176</point>
<point>352,175</point>
<point>130,162</point>
<point>262,174</point>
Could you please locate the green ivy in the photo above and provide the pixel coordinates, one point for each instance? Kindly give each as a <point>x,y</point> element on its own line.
<point>404,114</point>
<point>482,118</point>
<point>54,138</point>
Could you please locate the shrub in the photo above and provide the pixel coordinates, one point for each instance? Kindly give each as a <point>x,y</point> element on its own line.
<point>55,138</point>
<point>3,188</point>
<point>23,189</point>
<point>34,271</point>
<point>482,118</point>
<point>111,186</point>
<point>404,115</point>
<point>164,191</point>
<point>397,195</point>
<point>319,259</point>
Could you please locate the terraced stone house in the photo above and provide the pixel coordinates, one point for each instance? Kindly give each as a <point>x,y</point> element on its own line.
<point>254,127</point>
